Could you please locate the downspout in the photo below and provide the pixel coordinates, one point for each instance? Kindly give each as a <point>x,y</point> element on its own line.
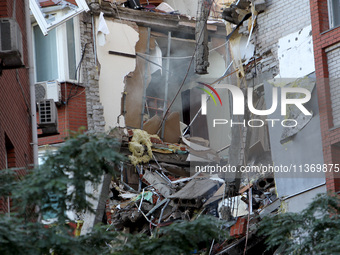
<point>31,82</point>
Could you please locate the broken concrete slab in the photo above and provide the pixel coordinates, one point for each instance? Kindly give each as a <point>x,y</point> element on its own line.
<point>195,192</point>
<point>162,186</point>
<point>217,196</point>
<point>98,201</point>
<point>270,208</point>
<point>176,170</point>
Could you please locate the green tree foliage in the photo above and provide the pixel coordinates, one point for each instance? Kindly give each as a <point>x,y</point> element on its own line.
<point>63,176</point>
<point>181,237</point>
<point>315,230</point>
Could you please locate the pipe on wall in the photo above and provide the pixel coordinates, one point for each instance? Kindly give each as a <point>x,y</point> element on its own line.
<point>31,82</point>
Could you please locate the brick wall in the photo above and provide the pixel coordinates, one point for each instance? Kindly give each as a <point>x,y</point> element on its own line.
<point>95,110</point>
<point>279,19</point>
<point>326,67</point>
<point>333,62</point>
<point>15,118</point>
<point>71,115</point>
<point>6,8</point>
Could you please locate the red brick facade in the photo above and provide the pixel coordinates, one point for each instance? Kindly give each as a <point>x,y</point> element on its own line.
<point>15,117</point>
<point>324,37</point>
<point>71,115</point>
<point>15,114</point>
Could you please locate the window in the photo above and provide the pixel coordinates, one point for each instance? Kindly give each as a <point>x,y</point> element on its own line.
<point>46,61</point>
<point>334,13</point>
<point>56,55</point>
<point>41,8</point>
<point>10,153</point>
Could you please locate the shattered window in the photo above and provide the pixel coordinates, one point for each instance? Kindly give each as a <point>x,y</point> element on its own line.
<point>41,9</point>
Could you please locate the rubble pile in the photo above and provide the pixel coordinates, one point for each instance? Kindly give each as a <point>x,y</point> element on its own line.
<point>156,192</point>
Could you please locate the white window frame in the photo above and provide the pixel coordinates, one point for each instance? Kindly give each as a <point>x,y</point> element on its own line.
<point>330,14</point>
<point>45,25</point>
<point>62,50</point>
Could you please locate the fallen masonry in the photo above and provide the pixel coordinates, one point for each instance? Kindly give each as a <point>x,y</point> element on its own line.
<point>158,192</point>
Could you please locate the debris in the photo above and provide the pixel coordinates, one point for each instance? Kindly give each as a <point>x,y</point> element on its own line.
<point>195,193</point>
<point>152,125</point>
<point>219,194</point>
<point>160,191</point>
<point>260,5</point>
<point>270,208</point>
<point>239,229</point>
<point>158,183</point>
<point>165,8</point>
<point>172,132</point>
<point>140,140</point>
<point>201,35</point>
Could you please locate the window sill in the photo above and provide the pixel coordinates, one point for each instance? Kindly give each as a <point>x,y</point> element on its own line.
<point>80,84</point>
<point>334,128</point>
<point>330,29</point>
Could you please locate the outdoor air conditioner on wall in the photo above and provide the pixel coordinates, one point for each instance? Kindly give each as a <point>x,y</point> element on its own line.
<point>11,51</point>
<point>48,90</point>
<point>48,115</point>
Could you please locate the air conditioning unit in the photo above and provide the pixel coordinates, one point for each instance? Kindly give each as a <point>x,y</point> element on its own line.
<point>48,115</point>
<point>11,51</point>
<point>48,90</point>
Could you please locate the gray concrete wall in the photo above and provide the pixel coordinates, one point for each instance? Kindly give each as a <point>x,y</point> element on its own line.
<point>304,148</point>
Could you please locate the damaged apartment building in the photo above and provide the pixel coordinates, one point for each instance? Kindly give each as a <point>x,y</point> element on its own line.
<point>158,75</point>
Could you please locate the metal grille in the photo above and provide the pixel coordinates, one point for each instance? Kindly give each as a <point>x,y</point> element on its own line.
<point>40,92</point>
<point>47,112</point>
<point>5,28</point>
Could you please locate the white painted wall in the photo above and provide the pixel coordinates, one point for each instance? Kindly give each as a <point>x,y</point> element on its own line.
<point>295,53</point>
<point>185,7</point>
<point>122,38</point>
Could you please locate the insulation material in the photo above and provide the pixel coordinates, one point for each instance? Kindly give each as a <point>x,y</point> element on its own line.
<point>140,146</point>
<point>295,53</point>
